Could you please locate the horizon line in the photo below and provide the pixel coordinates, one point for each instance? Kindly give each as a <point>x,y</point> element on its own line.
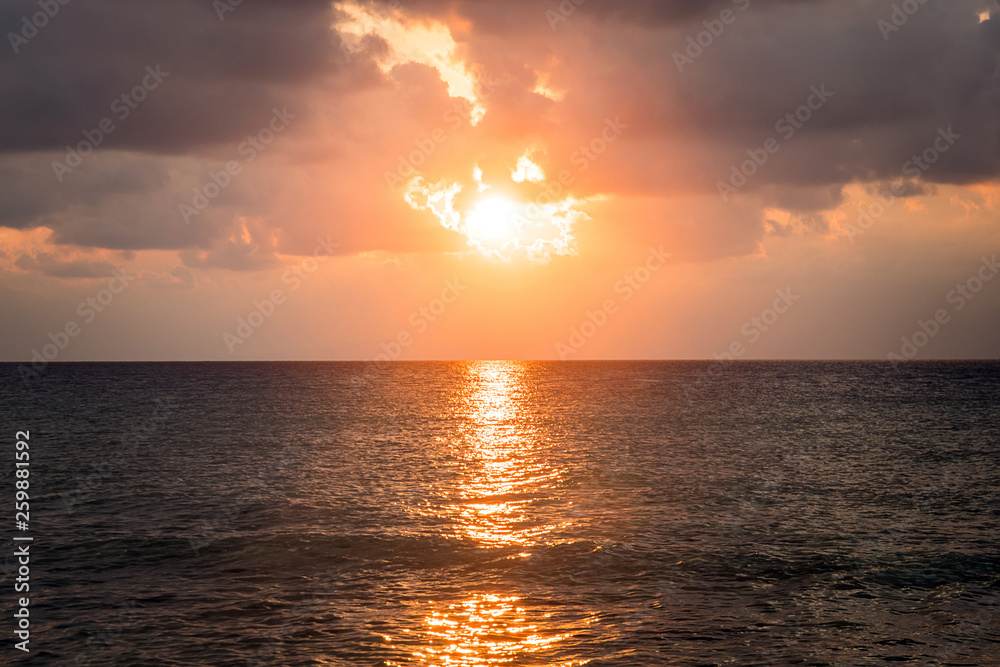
<point>557,361</point>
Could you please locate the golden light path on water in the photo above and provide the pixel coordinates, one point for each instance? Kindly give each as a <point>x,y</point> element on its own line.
<point>498,444</point>
<point>507,472</point>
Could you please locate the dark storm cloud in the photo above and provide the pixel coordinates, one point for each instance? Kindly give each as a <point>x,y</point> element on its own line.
<point>207,84</point>
<point>116,200</point>
<point>889,97</point>
<point>899,81</point>
<point>899,72</point>
<point>223,76</point>
<point>25,178</point>
<point>687,125</point>
<point>501,14</point>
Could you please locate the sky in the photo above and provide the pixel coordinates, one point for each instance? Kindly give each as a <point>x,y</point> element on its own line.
<point>476,179</point>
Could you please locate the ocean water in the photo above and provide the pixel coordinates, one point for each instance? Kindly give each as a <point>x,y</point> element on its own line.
<point>509,513</point>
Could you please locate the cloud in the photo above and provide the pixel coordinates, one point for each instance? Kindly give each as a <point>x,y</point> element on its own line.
<point>244,251</point>
<point>57,267</point>
<point>179,277</point>
<point>367,96</point>
<point>223,75</point>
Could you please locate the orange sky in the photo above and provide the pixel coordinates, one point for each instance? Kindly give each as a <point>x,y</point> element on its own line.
<point>448,180</point>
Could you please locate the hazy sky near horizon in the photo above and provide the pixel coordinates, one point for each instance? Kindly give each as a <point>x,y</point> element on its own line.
<point>482,179</point>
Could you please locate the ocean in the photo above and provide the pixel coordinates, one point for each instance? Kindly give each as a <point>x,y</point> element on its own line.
<point>507,513</point>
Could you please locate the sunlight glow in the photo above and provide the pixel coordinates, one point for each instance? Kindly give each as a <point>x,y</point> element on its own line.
<point>477,176</point>
<point>527,170</point>
<point>484,630</point>
<point>503,226</point>
<point>492,220</point>
<point>543,88</point>
<point>410,41</point>
<point>496,501</point>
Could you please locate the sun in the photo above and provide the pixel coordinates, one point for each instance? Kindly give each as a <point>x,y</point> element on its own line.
<point>503,218</point>
<point>491,220</point>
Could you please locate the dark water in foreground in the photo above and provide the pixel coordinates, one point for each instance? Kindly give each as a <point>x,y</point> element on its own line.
<point>490,513</point>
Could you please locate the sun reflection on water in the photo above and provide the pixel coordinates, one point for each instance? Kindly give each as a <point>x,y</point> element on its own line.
<point>487,629</point>
<point>483,630</point>
<point>504,475</point>
<point>499,447</point>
